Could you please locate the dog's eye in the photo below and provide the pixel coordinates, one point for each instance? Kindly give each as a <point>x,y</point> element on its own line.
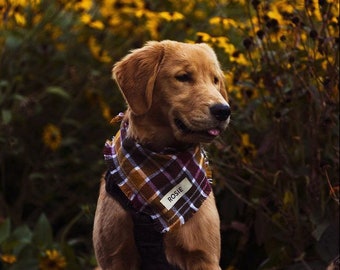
<point>186,77</point>
<point>216,80</point>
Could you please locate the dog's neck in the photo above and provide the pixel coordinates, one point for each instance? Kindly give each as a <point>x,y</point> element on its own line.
<point>153,132</point>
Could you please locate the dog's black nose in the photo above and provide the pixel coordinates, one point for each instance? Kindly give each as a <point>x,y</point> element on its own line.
<point>220,111</point>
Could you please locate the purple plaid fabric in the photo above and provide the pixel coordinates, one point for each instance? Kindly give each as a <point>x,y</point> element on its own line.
<point>169,188</point>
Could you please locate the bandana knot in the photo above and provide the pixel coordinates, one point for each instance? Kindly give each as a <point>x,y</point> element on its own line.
<point>169,188</point>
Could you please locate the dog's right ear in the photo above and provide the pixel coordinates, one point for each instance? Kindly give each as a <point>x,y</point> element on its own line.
<point>136,74</point>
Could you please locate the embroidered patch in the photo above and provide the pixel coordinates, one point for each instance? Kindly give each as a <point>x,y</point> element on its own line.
<point>172,197</point>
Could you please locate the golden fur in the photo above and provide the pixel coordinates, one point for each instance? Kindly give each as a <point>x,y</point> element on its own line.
<point>161,82</point>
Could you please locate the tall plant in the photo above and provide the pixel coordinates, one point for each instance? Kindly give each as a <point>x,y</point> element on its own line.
<point>280,158</point>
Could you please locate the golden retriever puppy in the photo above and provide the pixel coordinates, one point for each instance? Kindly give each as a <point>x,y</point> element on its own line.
<point>176,100</point>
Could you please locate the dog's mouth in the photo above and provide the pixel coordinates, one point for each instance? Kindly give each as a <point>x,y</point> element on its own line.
<point>209,133</point>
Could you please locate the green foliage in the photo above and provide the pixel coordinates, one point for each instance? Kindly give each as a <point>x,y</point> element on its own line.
<point>281,156</point>
<point>23,248</point>
<point>276,167</point>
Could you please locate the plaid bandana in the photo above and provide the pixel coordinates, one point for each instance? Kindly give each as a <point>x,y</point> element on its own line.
<point>169,188</point>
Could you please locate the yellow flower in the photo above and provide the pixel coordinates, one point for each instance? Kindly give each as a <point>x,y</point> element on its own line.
<point>55,31</point>
<point>16,9</point>
<point>313,9</point>
<point>97,25</point>
<point>245,139</point>
<point>203,37</point>
<point>24,2</point>
<point>60,46</point>
<point>152,24</point>
<point>52,136</point>
<point>106,112</point>
<point>87,19</point>
<point>8,258</point>
<point>247,149</point>
<point>98,52</point>
<point>275,14</point>
<point>232,87</point>
<point>185,6</point>
<point>225,22</point>
<point>285,6</point>
<point>83,5</point>
<point>20,19</point>
<point>52,260</point>
<point>239,58</point>
<point>199,14</point>
<point>95,99</point>
<point>288,199</point>
<point>224,43</point>
<point>129,3</point>
<point>171,16</point>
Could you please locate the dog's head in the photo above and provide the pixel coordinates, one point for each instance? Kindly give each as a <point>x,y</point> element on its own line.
<point>177,89</point>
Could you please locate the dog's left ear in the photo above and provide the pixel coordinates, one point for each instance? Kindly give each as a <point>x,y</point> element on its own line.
<point>136,73</point>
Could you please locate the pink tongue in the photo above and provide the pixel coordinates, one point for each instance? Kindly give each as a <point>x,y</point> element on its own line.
<point>214,132</point>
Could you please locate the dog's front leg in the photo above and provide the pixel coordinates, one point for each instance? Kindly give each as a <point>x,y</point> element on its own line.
<point>113,236</point>
<point>197,244</point>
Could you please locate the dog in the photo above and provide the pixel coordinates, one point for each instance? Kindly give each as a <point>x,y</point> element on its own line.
<point>176,99</point>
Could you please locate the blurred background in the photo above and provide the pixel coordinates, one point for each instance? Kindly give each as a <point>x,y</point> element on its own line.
<point>276,168</point>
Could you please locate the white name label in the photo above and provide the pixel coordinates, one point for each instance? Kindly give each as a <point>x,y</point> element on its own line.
<point>176,193</point>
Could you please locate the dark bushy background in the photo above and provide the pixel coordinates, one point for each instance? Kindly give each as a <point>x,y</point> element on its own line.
<point>276,167</point>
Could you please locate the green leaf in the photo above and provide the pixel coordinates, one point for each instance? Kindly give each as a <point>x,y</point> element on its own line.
<point>23,234</point>
<point>328,245</point>
<point>18,97</point>
<point>69,141</point>
<point>320,229</point>
<point>18,240</point>
<point>6,116</point>
<point>13,40</point>
<point>5,230</point>
<point>72,122</point>
<point>4,86</point>
<point>42,235</point>
<point>26,259</point>
<point>59,91</point>
<point>25,264</point>
<point>37,175</point>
